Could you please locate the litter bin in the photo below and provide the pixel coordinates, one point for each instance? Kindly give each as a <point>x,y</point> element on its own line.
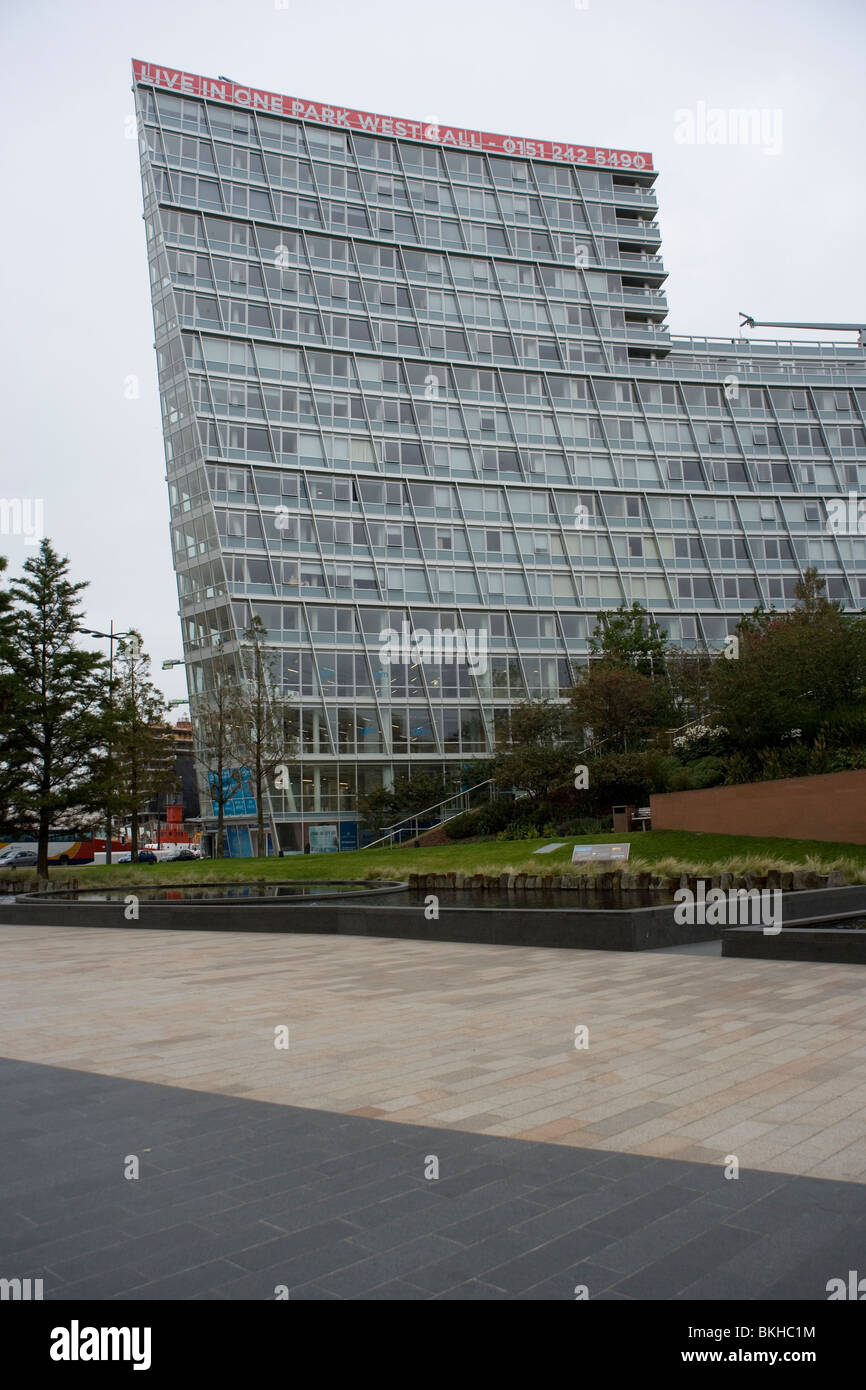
<point>622,818</point>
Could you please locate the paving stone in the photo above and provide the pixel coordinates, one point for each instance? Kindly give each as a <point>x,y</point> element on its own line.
<point>286,1247</point>
<point>545,1260</point>
<point>366,1274</point>
<point>674,1272</point>
<point>643,1211</point>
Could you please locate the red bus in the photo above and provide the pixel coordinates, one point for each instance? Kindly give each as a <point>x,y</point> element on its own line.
<point>65,846</point>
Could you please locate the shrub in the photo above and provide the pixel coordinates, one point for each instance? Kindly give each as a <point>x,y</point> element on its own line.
<point>580,825</point>
<point>705,772</point>
<point>503,814</point>
<point>495,815</point>
<point>841,759</point>
<point>463,826</point>
<point>630,777</point>
<point>701,741</point>
<point>523,819</point>
<point>791,760</point>
<point>520,832</point>
<point>589,825</point>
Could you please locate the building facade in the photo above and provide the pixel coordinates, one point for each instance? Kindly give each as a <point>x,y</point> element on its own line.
<point>174,816</point>
<point>418,382</point>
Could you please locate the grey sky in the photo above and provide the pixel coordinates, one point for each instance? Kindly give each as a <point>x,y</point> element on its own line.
<point>775,234</point>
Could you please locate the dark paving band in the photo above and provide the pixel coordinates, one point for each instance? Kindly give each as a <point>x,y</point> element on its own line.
<point>239,1198</point>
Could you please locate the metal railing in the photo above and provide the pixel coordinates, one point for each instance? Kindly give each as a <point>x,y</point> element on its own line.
<point>409,826</point>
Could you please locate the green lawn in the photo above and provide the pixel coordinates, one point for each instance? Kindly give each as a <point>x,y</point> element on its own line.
<point>666,851</point>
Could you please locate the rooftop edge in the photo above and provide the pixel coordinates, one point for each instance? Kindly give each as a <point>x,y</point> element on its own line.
<point>232,93</point>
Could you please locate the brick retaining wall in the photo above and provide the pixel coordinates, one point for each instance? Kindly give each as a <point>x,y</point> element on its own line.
<point>827,807</point>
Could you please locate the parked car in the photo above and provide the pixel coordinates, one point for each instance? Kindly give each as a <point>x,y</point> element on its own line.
<point>18,859</point>
<point>145,856</point>
<point>181,854</point>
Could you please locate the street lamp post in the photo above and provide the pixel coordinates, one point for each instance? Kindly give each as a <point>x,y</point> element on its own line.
<point>111,636</point>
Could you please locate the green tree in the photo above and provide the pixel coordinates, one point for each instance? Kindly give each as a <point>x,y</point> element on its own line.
<point>621,707</point>
<point>688,677</point>
<point>630,637</point>
<point>376,808</point>
<point>540,752</point>
<point>410,793</point>
<point>629,778</point>
<point>10,748</point>
<point>142,752</point>
<point>58,697</point>
<point>799,674</point>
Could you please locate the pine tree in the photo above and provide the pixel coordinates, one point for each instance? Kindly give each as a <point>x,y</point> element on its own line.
<point>58,698</point>
<point>10,751</point>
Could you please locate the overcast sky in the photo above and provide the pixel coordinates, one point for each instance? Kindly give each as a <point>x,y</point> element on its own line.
<point>775,229</point>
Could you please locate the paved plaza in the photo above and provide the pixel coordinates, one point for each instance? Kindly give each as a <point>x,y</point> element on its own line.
<point>309,1166</point>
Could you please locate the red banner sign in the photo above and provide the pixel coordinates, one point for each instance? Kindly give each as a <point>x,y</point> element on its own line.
<point>477,141</point>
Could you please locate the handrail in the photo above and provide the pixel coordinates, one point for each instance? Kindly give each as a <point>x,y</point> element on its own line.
<point>416,815</point>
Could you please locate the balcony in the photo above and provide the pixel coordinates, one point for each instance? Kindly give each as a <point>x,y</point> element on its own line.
<point>636,197</point>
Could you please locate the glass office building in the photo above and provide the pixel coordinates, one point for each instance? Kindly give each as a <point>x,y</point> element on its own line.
<point>419,381</point>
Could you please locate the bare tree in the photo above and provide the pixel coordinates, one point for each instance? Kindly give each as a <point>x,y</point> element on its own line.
<point>142,757</point>
<point>263,737</point>
<point>218,718</point>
